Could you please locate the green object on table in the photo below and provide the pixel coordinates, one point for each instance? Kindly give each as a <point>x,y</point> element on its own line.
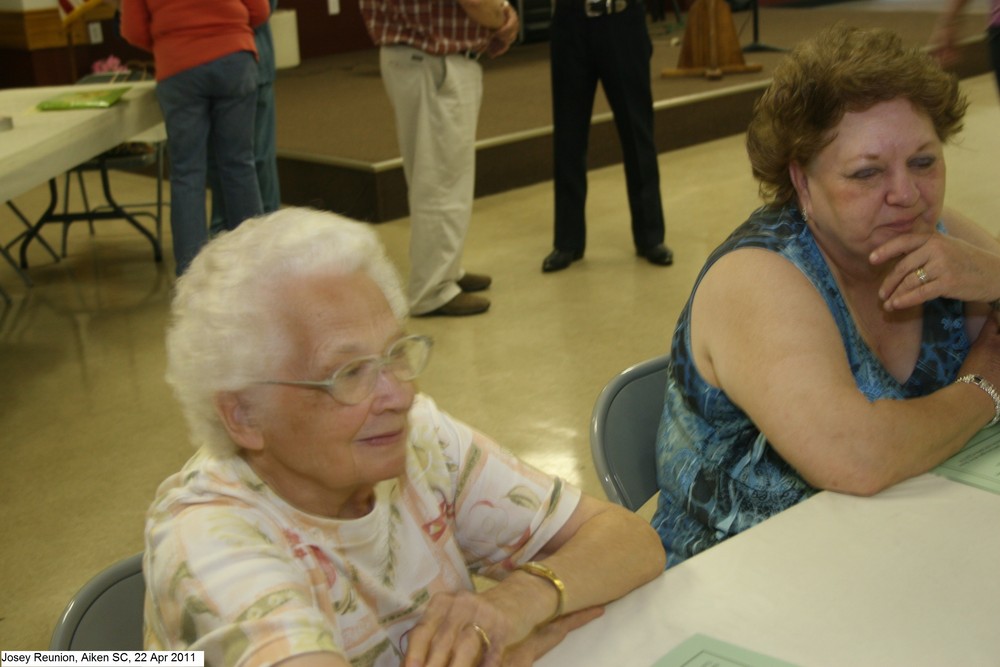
<point>84,99</point>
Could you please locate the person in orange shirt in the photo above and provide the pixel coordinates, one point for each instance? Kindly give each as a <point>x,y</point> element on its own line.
<point>206,72</point>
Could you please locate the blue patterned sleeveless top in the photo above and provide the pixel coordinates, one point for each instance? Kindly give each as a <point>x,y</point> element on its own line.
<point>717,473</point>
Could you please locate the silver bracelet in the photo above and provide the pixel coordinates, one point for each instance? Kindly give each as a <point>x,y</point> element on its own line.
<point>988,387</point>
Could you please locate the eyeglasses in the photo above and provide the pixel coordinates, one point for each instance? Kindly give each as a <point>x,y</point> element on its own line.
<point>355,381</point>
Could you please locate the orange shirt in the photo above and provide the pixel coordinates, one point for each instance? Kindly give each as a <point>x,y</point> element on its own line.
<point>186,33</point>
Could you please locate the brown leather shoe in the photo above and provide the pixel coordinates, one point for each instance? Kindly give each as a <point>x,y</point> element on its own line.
<point>474,282</point>
<point>463,304</point>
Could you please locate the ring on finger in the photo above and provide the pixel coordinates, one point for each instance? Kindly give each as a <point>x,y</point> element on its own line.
<point>921,275</point>
<point>484,638</point>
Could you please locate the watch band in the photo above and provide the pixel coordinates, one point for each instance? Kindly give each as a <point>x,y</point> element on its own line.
<point>988,387</point>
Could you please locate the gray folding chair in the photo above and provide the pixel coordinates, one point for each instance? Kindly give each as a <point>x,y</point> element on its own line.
<point>106,614</point>
<point>623,432</point>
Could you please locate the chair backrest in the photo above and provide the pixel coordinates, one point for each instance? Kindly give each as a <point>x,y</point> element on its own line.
<point>623,432</point>
<point>106,614</point>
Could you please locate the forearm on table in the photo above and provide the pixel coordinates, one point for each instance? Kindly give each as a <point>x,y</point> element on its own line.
<point>610,553</point>
<point>893,441</point>
<point>936,427</point>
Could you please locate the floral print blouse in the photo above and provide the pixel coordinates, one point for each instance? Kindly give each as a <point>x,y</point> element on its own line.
<point>717,473</point>
<point>235,571</point>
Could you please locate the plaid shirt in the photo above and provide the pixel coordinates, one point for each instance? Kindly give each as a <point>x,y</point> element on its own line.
<point>438,27</point>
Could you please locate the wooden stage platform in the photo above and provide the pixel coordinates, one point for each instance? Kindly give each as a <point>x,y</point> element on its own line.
<point>337,141</point>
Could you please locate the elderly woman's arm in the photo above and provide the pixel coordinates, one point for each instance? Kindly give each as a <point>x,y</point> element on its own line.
<point>603,552</point>
<point>600,554</point>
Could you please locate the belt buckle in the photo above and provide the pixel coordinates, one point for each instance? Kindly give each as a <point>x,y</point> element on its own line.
<point>595,8</point>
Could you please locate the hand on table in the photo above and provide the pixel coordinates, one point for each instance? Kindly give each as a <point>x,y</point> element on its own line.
<point>446,635</point>
<point>546,638</point>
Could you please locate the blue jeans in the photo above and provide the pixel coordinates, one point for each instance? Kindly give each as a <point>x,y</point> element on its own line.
<point>265,156</point>
<point>264,148</point>
<point>210,105</point>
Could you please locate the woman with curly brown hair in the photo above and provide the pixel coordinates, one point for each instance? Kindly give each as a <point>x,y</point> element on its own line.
<point>842,338</point>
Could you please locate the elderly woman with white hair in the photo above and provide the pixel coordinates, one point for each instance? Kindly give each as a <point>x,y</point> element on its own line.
<point>332,515</point>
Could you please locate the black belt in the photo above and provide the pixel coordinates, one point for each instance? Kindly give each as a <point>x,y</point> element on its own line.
<point>595,8</point>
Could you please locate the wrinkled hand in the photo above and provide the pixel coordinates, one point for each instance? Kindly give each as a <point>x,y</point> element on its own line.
<point>505,35</point>
<point>953,268</point>
<point>445,636</point>
<point>544,639</point>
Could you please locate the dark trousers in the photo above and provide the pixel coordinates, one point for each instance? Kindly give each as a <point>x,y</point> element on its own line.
<point>614,50</point>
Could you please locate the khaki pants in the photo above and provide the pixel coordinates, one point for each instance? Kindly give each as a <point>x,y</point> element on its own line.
<point>436,101</point>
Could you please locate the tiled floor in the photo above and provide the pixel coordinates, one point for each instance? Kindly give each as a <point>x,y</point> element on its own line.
<point>88,427</point>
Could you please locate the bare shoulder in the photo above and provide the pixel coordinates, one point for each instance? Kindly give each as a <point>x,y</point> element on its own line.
<point>745,280</point>
<point>752,308</point>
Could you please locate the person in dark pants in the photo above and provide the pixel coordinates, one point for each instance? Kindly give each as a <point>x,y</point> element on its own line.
<point>606,41</point>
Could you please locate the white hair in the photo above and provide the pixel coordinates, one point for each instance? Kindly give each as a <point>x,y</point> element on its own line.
<point>224,336</point>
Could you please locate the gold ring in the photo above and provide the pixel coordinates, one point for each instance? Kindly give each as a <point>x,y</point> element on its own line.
<point>484,638</point>
<point>921,275</point>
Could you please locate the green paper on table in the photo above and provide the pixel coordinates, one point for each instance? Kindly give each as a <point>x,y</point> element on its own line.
<point>978,463</point>
<point>84,99</point>
<point>701,651</point>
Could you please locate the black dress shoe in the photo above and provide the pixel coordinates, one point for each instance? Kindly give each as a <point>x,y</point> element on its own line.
<point>560,259</point>
<point>660,255</point>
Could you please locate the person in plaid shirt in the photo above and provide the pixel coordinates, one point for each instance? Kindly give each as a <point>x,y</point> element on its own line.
<point>429,58</point>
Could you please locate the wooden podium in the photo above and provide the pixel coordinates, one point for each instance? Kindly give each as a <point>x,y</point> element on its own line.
<point>710,47</point>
